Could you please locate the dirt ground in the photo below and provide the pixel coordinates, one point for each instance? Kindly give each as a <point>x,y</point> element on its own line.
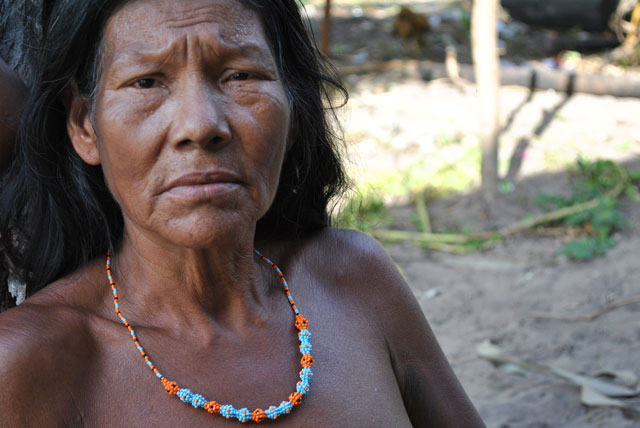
<point>394,118</point>
<point>495,294</point>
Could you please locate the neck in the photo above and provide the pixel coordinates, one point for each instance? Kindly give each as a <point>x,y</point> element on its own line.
<point>182,287</point>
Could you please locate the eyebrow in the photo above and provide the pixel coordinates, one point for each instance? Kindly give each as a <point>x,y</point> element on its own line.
<point>162,55</point>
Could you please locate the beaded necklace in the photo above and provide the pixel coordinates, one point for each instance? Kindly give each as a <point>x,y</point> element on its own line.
<point>227,410</point>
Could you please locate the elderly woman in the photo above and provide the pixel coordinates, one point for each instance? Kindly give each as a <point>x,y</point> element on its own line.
<point>188,138</point>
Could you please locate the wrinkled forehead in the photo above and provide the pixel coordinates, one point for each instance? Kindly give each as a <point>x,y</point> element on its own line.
<point>155,24</point>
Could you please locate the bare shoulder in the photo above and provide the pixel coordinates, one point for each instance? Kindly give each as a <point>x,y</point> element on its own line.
<point>360,269</point>
<point>44,343</point>
<point>360,266</point>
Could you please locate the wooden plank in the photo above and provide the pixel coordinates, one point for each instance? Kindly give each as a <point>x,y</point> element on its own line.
<point>587,14</point>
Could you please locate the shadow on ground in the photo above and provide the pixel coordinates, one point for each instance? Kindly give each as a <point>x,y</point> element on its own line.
<point>499,294</point>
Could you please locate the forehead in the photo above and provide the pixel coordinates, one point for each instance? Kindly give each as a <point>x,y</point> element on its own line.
<point>156,24</point>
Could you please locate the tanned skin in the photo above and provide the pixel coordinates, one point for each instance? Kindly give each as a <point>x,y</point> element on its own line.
<point>12,97</point>
<point>191,87</point>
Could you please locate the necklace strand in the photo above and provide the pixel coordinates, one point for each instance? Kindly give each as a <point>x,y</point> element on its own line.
<point>227,410</point>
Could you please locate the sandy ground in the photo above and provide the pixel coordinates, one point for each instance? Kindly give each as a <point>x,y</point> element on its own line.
<point>393,119</point>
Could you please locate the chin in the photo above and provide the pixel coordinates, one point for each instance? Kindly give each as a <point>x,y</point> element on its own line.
<point>210,231</point>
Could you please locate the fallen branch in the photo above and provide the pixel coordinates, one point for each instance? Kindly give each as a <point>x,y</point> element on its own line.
<point>561,213</point>
<point>465,243</point>
<point>424,237</point>
<point>588,317</point>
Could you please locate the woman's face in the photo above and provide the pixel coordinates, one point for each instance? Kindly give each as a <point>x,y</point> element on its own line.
<point>191,120</point>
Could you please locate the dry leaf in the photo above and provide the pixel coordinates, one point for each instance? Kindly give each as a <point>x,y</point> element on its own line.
<point>596,391</point>
<point>592,398</point>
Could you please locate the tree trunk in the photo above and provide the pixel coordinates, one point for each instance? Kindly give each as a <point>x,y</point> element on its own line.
<point>484,35</point>
<point>325,39</point>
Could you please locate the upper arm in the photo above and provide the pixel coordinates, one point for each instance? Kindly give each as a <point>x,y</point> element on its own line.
<point>33,363</point>
<point>17,371</point>
<point>12,99</point>
<point>430,390</point>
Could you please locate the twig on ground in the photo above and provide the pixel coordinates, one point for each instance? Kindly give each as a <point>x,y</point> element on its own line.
<point>588,317</point>
<point>561,213</point>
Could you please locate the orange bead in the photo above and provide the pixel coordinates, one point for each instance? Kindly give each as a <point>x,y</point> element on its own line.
<point>307,360</point>
<point>212,407</point>
<point>170,386</point>
<point>301,322</point>
<point>258,415</point>
<point>295,398</point>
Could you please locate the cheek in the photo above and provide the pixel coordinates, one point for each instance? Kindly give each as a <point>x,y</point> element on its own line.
<point>272,125</point>
<point>127,143</point>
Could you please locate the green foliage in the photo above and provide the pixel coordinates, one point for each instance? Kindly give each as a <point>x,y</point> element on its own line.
<point>587,248</point>
<point>590,180</point>
<point>593,179</point>
<point>364,212</point>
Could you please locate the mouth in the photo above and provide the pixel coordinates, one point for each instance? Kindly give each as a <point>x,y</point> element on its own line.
<point>201,185</point>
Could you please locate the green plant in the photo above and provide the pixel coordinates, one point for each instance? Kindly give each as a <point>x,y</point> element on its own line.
<point>590,180</point>
<point>365,211</point>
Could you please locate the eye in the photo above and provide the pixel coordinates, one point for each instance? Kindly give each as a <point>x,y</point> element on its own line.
<point>239,76</point>
<point>146,83</point>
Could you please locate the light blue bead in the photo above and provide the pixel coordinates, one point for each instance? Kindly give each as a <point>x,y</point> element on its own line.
<point>305,344</point>
<point>304,334</point>
<point>300,387</point>
<point>198,400</point>
<point>244,415</point>
<point>185,395</point>
<point>228,411</point>
<point>159,375</point>
<point>306,372</point>
<point>272,412</point>
<point>285,407</point>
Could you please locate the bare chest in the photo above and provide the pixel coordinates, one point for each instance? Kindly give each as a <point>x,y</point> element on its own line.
<point>353,384</point>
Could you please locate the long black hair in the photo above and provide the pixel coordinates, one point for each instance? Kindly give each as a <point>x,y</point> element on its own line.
<point>56,212</point>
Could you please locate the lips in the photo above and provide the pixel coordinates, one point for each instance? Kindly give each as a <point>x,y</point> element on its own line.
<point>199,185</point>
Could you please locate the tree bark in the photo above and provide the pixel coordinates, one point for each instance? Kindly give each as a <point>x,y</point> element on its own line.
<point>484,35</point>
<point>325,39</point>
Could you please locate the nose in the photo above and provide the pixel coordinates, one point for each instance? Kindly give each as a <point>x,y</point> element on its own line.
<point>199,116</point>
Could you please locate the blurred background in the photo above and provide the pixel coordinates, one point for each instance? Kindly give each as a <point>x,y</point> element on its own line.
<point>494,149</point>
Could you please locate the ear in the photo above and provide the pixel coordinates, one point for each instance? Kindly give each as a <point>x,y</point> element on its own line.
<point>79,126</point>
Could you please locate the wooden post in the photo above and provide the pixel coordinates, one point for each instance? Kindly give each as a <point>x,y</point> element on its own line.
<point>484,35</point>
<point>325,39</point>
